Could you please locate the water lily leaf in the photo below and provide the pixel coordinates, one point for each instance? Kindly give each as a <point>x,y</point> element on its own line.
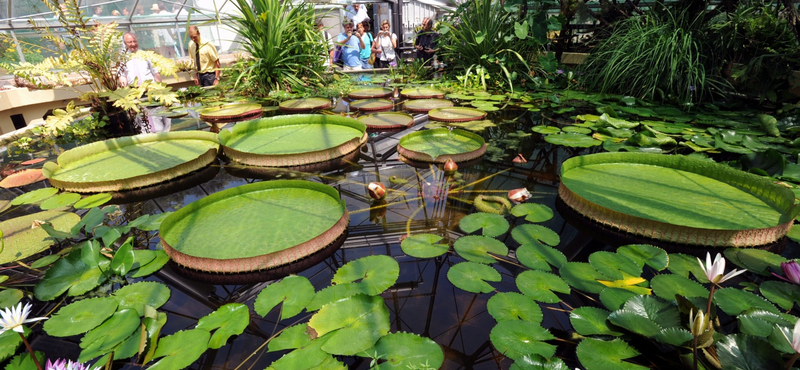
<point>478,125</point>
<point>10,297</point>
<point>44,261</point>
<point>745,352</point>
<point>353,324</point>
<point>80,316</point>
<point>628,282</point>
<point>591,321</point>
<point>516,339</point>
<point>720,143</point>
<point>10,341</point>
<point>227,321</point>
<point>476,248</point>
<point>682,264</point>
<point>295,292</point>
<point>181,349</point>
<point>112,332</point>
<point>123,258</point>
<point>674,336</point>
<point>760,323</point>
<point>92,201</point>
<point>577,130</point>
<point>492,225</point>
<point>614,265</point>
<point>375,273</point>
<point>535,362</point>
<point>616,132</point>
<point>141,294</point>
<point>615,298</point>
<point>334,293</point>
<point>142,257</point>
<point>533,212</point>
<point>668,285</point>
<point>756,260</point>
<point>783,294</point>
<point>735,301</point>
<point>646,315</point>
<point>572,140</point>
<point>92,219</point>
<point>295,336</point>
<point>540,285</point>
<point>596,354</point>
<point>472,277</point>
<point>778,338</point>
<point>546,130</point>
<point>161,258</point>
<point>60,200</point>
<point>528,234</point>
<point>23,361</point>
<point>582,276</point>
<point>34,196</point>
<point>129,346</point>
<point>22,238</point>
<point>70,274</point>
<point>532,254</point>
<point>424,246</point>
<point>644,254</point>
<point>514,306</point>
<point>309,356</point>
<point>407,351</point>
<point>606,120</point>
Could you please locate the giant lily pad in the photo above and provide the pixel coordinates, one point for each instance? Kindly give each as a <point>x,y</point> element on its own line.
<point>372,105</point>
<point>421,93</point>
<point>677,199</point>
<point>293,140</point>
<point>231,112</point>
<point>22,237</point>
<point>456,114</point>
<point>387,121</point>
<point>425,105</point>
<point>407,350</point>
<point>304,105</point>
<point>302,217</point>
<point>370,92</point>
<point>439,145</point>
<point>132,162</point>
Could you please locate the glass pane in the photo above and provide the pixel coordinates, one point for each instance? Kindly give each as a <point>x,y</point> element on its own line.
<point>3,9</point>
<point>24,8</point>
<point>162,39</point>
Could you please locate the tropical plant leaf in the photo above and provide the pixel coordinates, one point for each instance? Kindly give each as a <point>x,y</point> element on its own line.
<point>295,336</point>
<point>309,356</point>
<point>614,265</point>
<point>181,349</point>
<point>515,339</point>
<point>161,258</point>
<point>352,325</point>
<point>683,265</point>
<point>745,352</point>
<point>70,274</point>
<point>375,273</point>
<point>646,315</point>
<point>528,234</point>
<point>643,254</point>
<point>102,339</point>
<point>34,196</point>
<point>582,276</point>
<point>92,201</point>
<point>514,306</point>
<point>760,323</point>
<point>735,301</point>
<point>534,362</point>
<point>533,212</point>
<point>783,294</point>
<point>59,201</point>
<point>473,277</point>
<point>227,321</point>
<point>538,256</point>
<point>668,285</point>
<point>491,225</point>
<point>596,354</point>
<point>757,260</point>
<point>10,297</point>
<point>141,294</point>
<point>295,292</point>
<point>476,248</point>
<point>675,336</point>
<point>408,351</point>
<point>80,316</point>
<point>591,321</point>
<point>423,246</point>
<point>540,285</point>
<point>26,235</point>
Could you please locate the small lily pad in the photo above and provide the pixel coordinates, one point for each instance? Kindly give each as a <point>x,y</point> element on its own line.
<point>644,254</point>
<point>591,321</point>
<point>141,294</point>
<point>582,276</point>
<point>476,248</point>
<point>607,355</point>
<point>92,201</point>
<point>614,265</point>
<point>668,285</point>
<point>577,130</point>
<point>295,292</point>
<point>614,298</point>
<point>516,339</point>
<point>227,321</point>
<point>546,130</point>
<point>352,325</point>
<point>783,294</point>
<point>514,306</point>
<point>60,201</point>
<point>735,301</point>
<point>528,234</point>
<point>80,316</point>
<point>34,196</point>
<point>473,277</point>
<point>424,246</point>
<point>572,140</point>
<point>540,257</point>
<point>375,273</point>
<point>533,212</point>
<point>407,350</point>
<point>490,224</point>
<point>540,285</point>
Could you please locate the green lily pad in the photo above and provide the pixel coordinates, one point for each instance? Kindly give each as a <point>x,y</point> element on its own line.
<point>674,336</point>
<point>646,315</point>
<point>10,341</point>
<point>387,121</point>
<point>334,293</point>
<point>421,93</point>
<point>371,105</point>
<point>546,130</point>
<point>158,261</point>
<point>591,321</point>
<point>456,114</point>
<point>668,285</point>
<point>472,277</point>
<point>529,234</point>
<point>577,130</point>
<point>615,298</point>
<point>476,248</point>
<point>80,316</point>
<point>60,201</point>
<point>491,225</point>
<point>596,354</point>
<point>756,260</point>
<point>735,301</point>
<point>370,92</point>
<point>540,285</point>
<point>23,238</point>
<point>533,212</point>
<point>70,274</point>
<point>514,306</point>
<point>375,273</point>
<point>783,294</point>
<point>424,246</point>
<point>538,256</point>
<point>309,356</point>
<point>10,297</point>
<point>352,325</point>
<point>572,140</point>
<point>535,362</point>
<point>644,254</point>
<point>607,120</point>
<point>295,336</point>
<point>181,349</point>
<point>760,323</point>
<point>295,292</point>
<point>745,352</point>
<point>305,104</point>
<point>425,105</point>
<point>407,350</point>
<point>479,125</point>
<point>516,339</point>
<point>582,276</point>
<point>141,294</point>
<point>227,321</point>
<point>112,332</point>
<point>614,265</point>
<point>92,201</point>
<point>440,144</point>
<point>685,265</point>
<point>34,196</point>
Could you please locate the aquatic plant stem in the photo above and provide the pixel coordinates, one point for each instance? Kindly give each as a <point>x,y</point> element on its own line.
<point>791,361</point>
<point>30,350</point>
<point>694,352</point>
<point>708,305</point>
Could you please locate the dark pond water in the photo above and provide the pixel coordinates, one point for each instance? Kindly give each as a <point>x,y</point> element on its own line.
<point>422,301</point>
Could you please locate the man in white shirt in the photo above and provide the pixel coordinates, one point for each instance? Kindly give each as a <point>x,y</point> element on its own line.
<point>140,70</point>
<point>357,13</point>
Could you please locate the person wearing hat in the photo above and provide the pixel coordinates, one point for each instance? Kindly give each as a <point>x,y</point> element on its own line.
<point>206,60</point>
<point>351,44</point>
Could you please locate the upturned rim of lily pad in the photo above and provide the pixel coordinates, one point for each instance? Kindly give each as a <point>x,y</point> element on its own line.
<point>218,115</point>
<point>304,105</point>
<point>382,121</point>
<point>468,114</point>
<point>372,105</point>
<point>421,93</point>
<point>370,92</point>
<point>456,157</point>
<point>426,105</point>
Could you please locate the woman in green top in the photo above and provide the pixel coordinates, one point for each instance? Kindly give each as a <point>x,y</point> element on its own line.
<point>366,36</point>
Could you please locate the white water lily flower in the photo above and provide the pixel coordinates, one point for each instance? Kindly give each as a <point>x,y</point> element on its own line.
<point>795,341</point>
<point>714,271</point>
<point>697,322</point>
<point>14,317</point>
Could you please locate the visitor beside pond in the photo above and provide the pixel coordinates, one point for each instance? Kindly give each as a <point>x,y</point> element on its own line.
<point>368,40</point>
<point>206,60</point>
<point>136,71</point>
<point>426,41</point>
<point>327,39</point>
<point>387,42</point>
<point>357,13</point>
<point>352,44</point>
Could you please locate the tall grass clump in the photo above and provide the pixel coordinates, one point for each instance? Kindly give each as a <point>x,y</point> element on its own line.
<point>283,41</point>
<point>656,56</point>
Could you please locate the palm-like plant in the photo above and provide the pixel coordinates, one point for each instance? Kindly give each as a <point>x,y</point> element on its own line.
<point>282,39</point>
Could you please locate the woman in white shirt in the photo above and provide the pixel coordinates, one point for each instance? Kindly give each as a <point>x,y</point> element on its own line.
<point>387,42</point>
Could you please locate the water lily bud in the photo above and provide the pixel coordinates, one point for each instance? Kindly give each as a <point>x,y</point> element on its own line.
<point>519,195</point>
<point>450,165</point>
<point>376,190</point>
<point>698,322</point>
<point>519,159</point>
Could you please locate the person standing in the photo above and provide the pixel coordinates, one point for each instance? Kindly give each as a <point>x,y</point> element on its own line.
<point>387,42</point>
<point>327,39</point>
<point>206,60</point>
<point>138,71</point>
<point>367,50</point>
<point>351,43</point>
<point>357,13</point>
<point>426,41</point>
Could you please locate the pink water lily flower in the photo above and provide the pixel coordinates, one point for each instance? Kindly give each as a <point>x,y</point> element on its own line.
<point>714,271</point>
<point>64,364</point>
<point>791,272</point>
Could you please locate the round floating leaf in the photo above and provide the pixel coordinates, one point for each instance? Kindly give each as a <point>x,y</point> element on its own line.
<point>10,297</point>
<point>746,352</point>
<point>644,254</point>
<point>735,301</point>
<point>34,196</point>
<point>493,225</point>
<point>424,105</point>
<point>597,354</point>
<point>516,339</point>
<point>423,246</point>
<point>572,140</point>
<point>757,260</point>
<point>370,92</point>
<point>369,105</point>
<point>614,298</point>
<point>473,277</point>
<point>456,114</point>
<point>387,121</point>
<point>138,295</point>
<point>105,337</point>
<point>375,273</point>
<point>421,93</point>
<point>309,356</point>
<point>353,324</point>
<point>614,265</point>
<point>783,294</point>
<point>582,276</point>
<point>546,130</point>
<point>334,293</point>
<point>681,264</point>
<point>577,130</point>
<point>92,201</point>
<point>428,145</point>
<point>22,178</point>
<point>305,104</point>
<point>80,317</point>
<point>407,350</point>
<point>160,259</point>
<point>181,349</point>
<point>646,315</point>
<point>476,248</point>
<point>294,291</point>
<point>540,285</point>
<point>668,285</point>
<point>10,341</point>
<point>591,321</point>
<point>533,212</point>
<point>528,234</point>
<point>760,323</point>
<point>295,336</point>
<point>514,306</point>
<point>534,362</point>
<point>674,336</point>
<point>60,200</point>
<point>70,273</point>
<point>227,321</point>
<point>532,254</point>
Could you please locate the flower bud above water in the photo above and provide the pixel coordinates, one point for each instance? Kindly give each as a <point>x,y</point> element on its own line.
<point>519,195</point>
<point>450,165</point>
<point>376,190</point>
